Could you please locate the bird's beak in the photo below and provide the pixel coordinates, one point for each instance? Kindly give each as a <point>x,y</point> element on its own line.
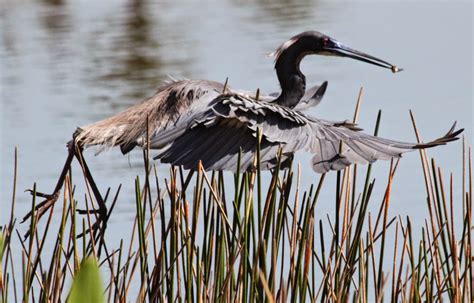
<point>334,48</point>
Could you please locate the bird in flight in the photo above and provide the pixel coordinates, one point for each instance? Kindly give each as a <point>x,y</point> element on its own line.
<point>193,121</point>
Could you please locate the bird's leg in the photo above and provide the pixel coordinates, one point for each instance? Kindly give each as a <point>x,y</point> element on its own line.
<point>102,215</point>
<point>50,199</point>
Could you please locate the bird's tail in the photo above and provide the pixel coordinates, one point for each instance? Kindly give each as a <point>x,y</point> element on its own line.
<point>103,135</point>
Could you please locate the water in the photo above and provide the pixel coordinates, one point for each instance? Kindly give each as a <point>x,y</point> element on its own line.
<point>65,64</point>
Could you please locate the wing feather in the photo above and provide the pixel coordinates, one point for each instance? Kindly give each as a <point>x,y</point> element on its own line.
<point>232,122</point>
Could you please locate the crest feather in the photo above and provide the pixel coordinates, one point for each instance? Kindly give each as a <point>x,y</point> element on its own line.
<point>284,46</point>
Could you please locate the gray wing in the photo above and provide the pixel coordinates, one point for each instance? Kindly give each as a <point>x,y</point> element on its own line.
<point>217,136</point>
<point>229,128</point>
<point>337,145</point>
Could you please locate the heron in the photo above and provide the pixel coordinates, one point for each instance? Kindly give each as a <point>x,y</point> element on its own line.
<point>200,121</point>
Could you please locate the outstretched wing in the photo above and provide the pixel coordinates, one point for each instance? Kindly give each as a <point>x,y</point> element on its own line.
<point>230,126</point>
<point>336,146</point>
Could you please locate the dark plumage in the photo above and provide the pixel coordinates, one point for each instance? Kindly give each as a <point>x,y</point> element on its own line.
<point>192,120</point>
<point>197,120</point>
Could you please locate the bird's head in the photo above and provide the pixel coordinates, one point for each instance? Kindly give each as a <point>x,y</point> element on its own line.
<point>313,42</point>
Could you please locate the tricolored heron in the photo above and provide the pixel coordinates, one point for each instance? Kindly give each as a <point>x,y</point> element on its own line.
<point>199,120</point>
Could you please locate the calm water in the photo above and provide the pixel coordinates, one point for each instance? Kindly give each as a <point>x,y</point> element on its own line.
<point>64,64</point>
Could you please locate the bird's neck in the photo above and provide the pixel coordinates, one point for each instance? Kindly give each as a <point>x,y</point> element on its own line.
<point>292,80</point>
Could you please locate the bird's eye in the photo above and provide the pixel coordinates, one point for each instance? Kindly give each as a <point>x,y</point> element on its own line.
<point>325,41</point>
